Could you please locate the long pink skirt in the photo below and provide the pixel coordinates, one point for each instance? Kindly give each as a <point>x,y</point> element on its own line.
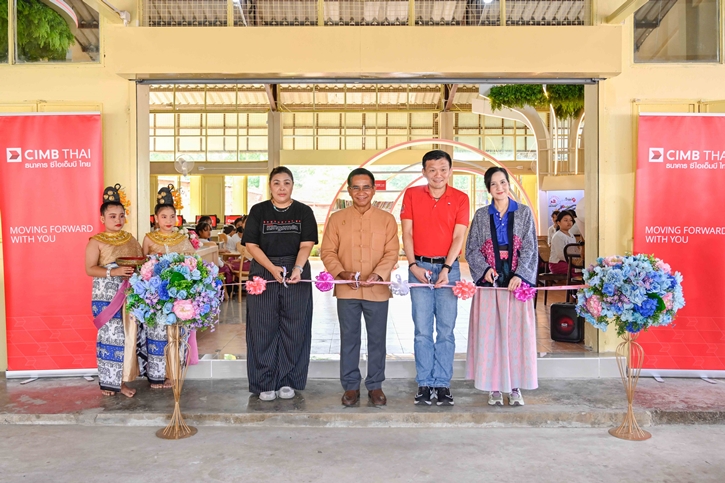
<point>501,342</point>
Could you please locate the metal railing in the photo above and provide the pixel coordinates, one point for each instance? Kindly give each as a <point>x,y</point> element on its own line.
<point>292,13</point>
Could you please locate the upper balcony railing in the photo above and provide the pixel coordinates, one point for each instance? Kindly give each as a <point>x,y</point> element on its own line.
<point>283,13</point>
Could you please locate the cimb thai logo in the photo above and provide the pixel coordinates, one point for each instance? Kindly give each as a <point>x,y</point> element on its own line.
<point>14,155</point>
<point>656,155</point>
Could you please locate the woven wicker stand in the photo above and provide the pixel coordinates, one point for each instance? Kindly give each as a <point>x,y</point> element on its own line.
<point>630,357</point>
<point>177,428</point>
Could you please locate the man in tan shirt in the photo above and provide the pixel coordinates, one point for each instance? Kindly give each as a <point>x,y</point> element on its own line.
<point>361,239</point>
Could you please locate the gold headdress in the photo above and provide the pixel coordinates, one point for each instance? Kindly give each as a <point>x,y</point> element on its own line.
<point>116,194</point>
<point>169,196</point>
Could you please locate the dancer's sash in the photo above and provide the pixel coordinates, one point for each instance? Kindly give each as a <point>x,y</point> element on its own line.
<point>130,329</point>
<point>111,309</point>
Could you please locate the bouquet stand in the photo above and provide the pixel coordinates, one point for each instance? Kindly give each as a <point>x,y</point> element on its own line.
<point>177,428</point>
<point>630,357</point>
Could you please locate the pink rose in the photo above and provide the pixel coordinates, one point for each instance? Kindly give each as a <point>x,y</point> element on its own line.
<point>594,305</point>
<point>663,266</point>
<point>184,309</point>
<point>191,263</point>
<point>147,270</point>
<point>667,299</point>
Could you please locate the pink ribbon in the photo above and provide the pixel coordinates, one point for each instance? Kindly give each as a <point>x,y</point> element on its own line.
<point>429,285</point>
<point>115,305</point>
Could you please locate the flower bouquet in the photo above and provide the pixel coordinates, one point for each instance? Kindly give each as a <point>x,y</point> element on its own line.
<point>194,240</point>
<point>176,288</point>
<point>634,293</point>
<point>183,293</point>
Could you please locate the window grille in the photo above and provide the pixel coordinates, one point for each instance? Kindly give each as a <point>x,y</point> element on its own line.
<point>185,13</point>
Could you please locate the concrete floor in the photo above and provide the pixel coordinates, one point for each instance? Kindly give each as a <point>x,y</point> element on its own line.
<point>568,403</point>
<point>675,454</point>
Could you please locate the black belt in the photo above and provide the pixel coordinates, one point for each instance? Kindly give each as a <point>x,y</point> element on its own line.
<point>434,260</point>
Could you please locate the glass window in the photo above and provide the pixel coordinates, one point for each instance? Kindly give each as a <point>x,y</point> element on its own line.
<point>3,31</point>
<point>483,197</point>
<point>677,31</point>
<point>256,190</point>
<point>317,186</point>
<point>45,35</point>
<point>208,136</point>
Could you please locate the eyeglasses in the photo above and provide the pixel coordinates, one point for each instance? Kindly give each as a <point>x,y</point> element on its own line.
<point>358,189</point>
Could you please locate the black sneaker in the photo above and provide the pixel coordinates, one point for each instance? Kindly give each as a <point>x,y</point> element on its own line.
<point>443,394</point>
<point>424,395</point>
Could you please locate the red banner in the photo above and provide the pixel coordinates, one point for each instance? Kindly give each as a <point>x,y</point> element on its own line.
<point>679,217</point>
<point>51,180</point>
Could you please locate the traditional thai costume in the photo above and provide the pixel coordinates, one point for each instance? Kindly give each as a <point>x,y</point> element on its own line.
<point>502,329</point>
<point>153,340</point>
<point>116,341</point>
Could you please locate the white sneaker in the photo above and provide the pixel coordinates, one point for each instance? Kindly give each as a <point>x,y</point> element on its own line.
<point>495,398</point>
<point>286,392</point>
<point>515,398</point>
<point>267,396</point>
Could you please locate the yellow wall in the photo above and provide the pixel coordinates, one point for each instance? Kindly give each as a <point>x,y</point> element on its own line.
<point>212,195</point>
<point>353,51</point>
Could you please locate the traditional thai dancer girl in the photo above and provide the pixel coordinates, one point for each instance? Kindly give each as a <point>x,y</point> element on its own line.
<point>116,342</point>
<point>166,239</point>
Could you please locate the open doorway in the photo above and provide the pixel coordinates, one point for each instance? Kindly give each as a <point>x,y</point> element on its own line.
<point>321,132</point>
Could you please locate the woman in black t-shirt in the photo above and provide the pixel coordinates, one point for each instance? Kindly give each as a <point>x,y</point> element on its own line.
<point>279,234</point>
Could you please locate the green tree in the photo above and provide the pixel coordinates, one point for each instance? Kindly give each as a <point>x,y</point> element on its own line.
<point>3,30</point>
<point>42,33</point>
<point>567,100</point>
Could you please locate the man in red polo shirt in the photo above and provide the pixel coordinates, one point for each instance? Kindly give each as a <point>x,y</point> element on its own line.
<point>434,219</point>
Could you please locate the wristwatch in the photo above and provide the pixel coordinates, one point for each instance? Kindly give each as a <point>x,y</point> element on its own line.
<point>448,267</point>
<point>414,264</point>
<point>108,272</point>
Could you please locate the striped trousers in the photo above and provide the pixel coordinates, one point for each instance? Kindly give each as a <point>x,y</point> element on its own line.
<point>279,331</point>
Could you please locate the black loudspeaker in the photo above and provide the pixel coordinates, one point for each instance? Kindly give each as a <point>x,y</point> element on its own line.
<point>566,325</point>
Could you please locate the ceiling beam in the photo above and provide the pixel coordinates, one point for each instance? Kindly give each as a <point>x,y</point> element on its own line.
<point>271,90</point>
<point>449,94</point>
<point>625,10</point>
<point>105,10</point>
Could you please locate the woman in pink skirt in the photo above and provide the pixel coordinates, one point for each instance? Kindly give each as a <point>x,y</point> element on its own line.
<point>502,252</point>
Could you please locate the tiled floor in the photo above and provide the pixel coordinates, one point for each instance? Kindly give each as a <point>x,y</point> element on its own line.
<point>229,337</point>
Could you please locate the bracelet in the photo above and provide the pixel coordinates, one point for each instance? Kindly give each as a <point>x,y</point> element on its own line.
<point>108,272</point>
<point>298,266</point>
<point>414,264</point>
<point>448,267</point>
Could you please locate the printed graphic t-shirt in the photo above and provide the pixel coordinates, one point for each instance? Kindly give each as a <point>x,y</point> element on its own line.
<point>279,234</point>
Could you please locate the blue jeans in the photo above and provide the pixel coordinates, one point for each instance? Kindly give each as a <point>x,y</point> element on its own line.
<point>434,361</point>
